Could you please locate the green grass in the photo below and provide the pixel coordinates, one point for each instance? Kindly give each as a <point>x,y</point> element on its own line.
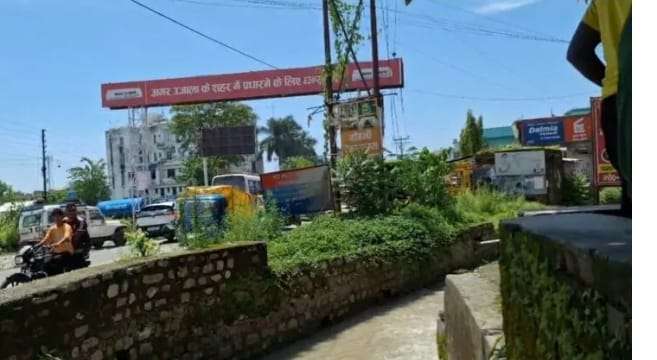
<point>490,206</point>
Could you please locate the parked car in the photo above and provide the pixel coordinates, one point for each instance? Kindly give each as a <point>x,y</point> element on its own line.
<point>158,220</point>
<point>34,222</point>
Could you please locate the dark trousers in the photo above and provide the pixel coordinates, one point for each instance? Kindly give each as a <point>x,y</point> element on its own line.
<point>609,122</point>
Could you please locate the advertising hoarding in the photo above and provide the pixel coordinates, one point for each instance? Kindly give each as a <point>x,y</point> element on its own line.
<point>605,174</point>
<point>578,128</point>
<point>366,139</point>
<point>542,132</point>
<point>235,140</point>
<point>357,113</point>
<point>299,191</point>
<point>245,86</point>
<point>519,163</point>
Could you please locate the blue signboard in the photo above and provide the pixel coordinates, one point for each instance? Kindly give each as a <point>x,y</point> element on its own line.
<point>299,191</point>
<point>542,132</point>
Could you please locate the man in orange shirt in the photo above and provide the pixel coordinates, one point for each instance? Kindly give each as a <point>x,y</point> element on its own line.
<point>59,237</point>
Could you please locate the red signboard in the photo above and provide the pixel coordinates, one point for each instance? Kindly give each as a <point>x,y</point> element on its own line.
<point>605,174</point>
<point>245,86</point>
<point>578,128</point>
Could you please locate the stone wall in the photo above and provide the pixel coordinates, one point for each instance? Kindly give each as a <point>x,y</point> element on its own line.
<point>215,304</point>
<point>566,285</point>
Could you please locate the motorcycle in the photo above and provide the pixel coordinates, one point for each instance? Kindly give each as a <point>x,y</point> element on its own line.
<point>37,262</point>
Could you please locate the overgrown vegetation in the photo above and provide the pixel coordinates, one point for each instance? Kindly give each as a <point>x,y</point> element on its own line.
<point>373,186</point>
<point>610,195</point>
<point>140,245</point>
<point>576,190</point>
<point>9,235</point>
<point>486,205</point>
<point>264,224</point>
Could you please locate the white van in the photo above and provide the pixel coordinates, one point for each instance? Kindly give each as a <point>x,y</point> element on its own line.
<point>34,222</point>
<point>247,183</point>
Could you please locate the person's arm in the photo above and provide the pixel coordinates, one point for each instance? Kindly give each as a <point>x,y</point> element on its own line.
<point>46,238</point>
<point>581,53</point>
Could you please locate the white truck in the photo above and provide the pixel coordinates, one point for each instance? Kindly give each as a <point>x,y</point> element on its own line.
<point>34,222</point>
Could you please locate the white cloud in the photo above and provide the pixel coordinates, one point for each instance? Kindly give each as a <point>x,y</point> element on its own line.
<point>498,6</point>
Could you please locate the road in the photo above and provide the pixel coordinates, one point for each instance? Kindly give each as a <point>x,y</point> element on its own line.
<point>105,255</point>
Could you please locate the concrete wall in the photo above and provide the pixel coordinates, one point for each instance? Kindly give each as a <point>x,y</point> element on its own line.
<point>215,304</point>
<point>566,285</point>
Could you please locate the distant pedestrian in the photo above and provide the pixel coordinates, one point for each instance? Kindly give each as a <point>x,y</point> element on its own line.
<point>606,22</point>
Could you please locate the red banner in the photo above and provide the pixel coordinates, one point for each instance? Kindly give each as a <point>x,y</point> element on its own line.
<point>245,86</point>
<point>605,174</point>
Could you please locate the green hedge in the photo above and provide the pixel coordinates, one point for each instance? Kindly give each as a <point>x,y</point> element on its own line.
<point>546,314</point>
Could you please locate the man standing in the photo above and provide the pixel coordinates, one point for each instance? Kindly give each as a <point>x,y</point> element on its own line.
<point>604,22</point>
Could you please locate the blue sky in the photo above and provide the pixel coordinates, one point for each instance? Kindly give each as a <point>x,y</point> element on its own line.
<point>55,54</point>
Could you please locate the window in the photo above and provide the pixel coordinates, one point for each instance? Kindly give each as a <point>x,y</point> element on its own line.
<point>171,173</point>
<point>113,182</point>
<point>169,155</point>
<point>254,186</point>
<point>153,175</point>
<point>95,215</point>
<point>32,220</point>
<point>154,138</point>
<point>161,191</point>
<point>175,190</point>
<point>141,159</point>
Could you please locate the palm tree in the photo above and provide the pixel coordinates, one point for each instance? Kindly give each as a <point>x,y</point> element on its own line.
<point>286,138</point>
<point>90,181</point>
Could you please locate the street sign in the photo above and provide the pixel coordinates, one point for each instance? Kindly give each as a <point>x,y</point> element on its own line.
<point>246,86</point>
<point>366,139</point>
<point>357,114</point>
<point>237,140</point>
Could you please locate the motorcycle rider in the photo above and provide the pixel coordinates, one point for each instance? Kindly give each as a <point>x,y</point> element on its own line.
<point>59,239</point>
<point>78,226</point>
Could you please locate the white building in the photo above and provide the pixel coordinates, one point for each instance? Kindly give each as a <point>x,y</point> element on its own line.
<point>146,160</point>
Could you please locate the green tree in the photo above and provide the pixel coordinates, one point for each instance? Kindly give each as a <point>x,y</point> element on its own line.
<point>187,123</point>
<point>471,139</point>
<point>90,181</point>
<point>297,162</point>
<point>6,192</point>
<point>57,196</point>
<point>286,138</point>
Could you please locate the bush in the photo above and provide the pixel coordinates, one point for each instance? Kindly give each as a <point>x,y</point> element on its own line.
<point>297,162</point>
<point>263,225</point>
<point>439,224</point>
<point>329,237</point>
<point>9,234</point>
<point>610,195</point>
<point>576,190</point>
<point>367,184</point>
<point>486,205</point>
<point>140,245</point>
<point>373,186</point>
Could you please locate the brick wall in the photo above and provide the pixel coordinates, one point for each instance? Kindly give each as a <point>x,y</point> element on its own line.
<point>216,303</point>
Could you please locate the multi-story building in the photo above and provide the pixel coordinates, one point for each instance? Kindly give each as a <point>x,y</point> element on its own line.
<point>146,161</point>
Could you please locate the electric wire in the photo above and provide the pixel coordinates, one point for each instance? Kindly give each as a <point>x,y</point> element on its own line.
<point>232,48</point>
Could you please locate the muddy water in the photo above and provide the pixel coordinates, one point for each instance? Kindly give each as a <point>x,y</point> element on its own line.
<point>404,328</point>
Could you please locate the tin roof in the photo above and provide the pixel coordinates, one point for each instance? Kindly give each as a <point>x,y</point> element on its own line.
<point>498,132</point>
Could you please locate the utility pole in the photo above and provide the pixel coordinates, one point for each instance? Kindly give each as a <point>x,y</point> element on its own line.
<point>400,144</point>
<point>375,69</point>
<point>328,98</point>
<point>43,164</point>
